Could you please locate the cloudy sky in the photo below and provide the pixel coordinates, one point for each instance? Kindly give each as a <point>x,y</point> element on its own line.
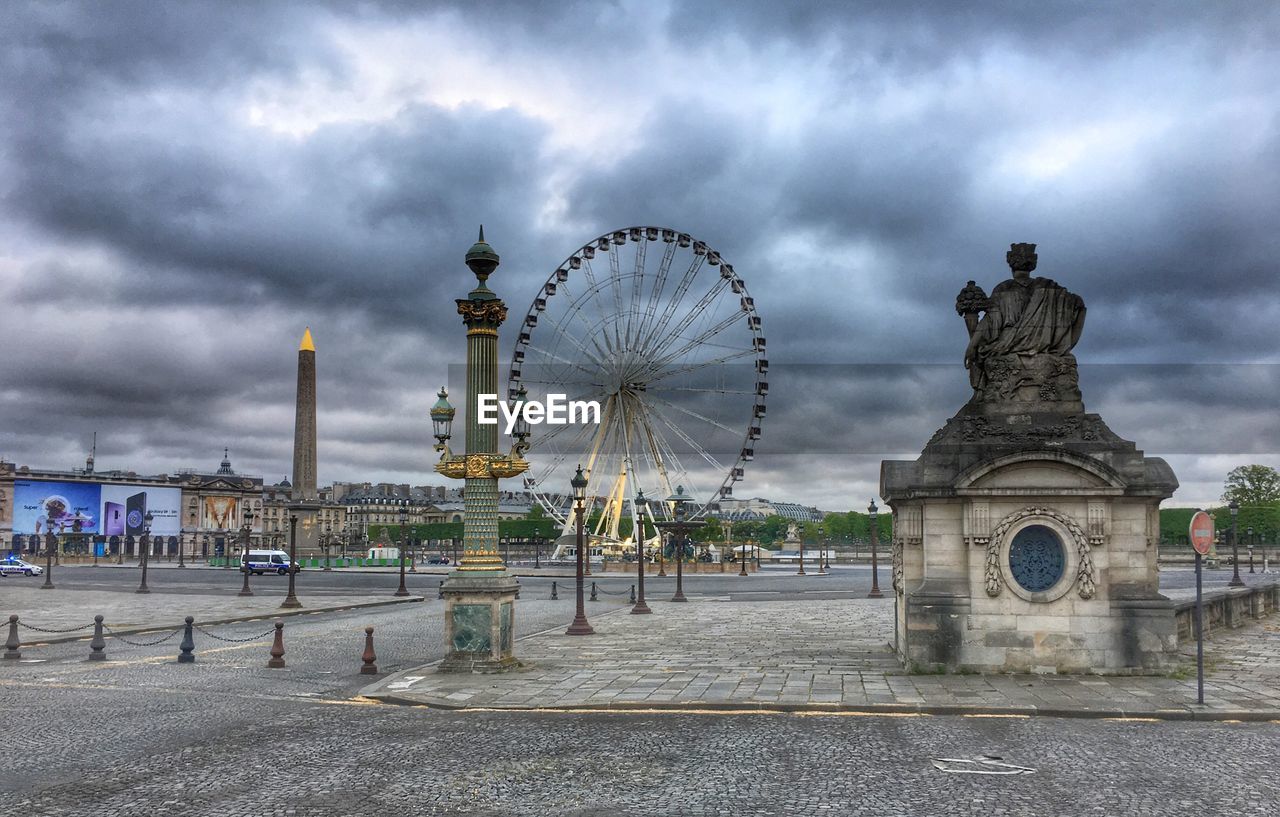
<point>185,186</point>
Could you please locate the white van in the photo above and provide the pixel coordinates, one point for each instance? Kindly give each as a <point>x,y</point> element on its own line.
<point>269,561</point>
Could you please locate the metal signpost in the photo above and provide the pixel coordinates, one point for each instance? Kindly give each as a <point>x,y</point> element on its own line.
<point>1201,535</point>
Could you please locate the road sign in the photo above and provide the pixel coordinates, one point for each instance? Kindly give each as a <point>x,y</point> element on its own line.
<point>1201,532</point>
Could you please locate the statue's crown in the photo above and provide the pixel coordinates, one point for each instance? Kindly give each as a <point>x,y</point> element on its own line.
<point>1021,257</point>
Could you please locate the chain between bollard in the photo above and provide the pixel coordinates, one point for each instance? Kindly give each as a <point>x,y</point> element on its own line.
<point>121,638</point>
<point>54,630</point>
<point>235,640</point>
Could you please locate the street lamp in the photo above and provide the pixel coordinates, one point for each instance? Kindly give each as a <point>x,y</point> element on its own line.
<point>823,564</point>
<point>1236,581</point>
<point>404,523</point>
<point>146,551</point>
<point>291,600</point>
<point>800,572</point>
<point>1249,542</point>
<point>328,543</point>
<point>49,540</point>
<point>181,547</point>
<point>872,511</point>
<point>579,625</point>
<point>642,505</point>
<point>679,527</point>
<point>244,548</point>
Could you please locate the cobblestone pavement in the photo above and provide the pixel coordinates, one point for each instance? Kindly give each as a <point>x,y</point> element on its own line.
<point>811,655</point>
<point>142,735</point>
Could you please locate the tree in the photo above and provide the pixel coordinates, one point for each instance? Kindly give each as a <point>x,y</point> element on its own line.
<point>1252,485</point>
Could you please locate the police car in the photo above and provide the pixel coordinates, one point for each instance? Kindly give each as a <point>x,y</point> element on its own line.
<point>14,566</point>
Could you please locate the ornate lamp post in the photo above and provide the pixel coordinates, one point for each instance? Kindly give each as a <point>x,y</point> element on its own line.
<point>181,542</point>
<point>642,505</point>
<point>480,594</point>
<point>800,572</point>
<point>291,600</point>
<point>872,511</point>
<point>244,549</point>
<point>579,625</point>
<point>49,544</point>
<point>1249,542</point>
<point>679,527</point>
<point>146,551</point>
<point>1236,581</point>
<point>404,523</point>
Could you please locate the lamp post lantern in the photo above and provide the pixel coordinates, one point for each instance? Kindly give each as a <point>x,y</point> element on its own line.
<point>480,593</point>
<point>1249,543</point>
<point>291,600</point>
<point>579,625</point>
<point>1236,581</point>
<point>404,523</point>
<point>642,505</point>
<point>146,551</point>
<point>872,516</point>
<point>244,550</point>
<point>679,527</point>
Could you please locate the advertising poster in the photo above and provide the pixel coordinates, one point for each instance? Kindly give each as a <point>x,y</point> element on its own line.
<point>124,507</point>
<point>220,513</point>
<point>39,505</point>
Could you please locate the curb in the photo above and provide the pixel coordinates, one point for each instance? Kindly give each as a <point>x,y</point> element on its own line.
<point>233,620</point>
<point>747,708</point>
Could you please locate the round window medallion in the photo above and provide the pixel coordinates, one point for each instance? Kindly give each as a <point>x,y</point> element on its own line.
<point>1037,559</point>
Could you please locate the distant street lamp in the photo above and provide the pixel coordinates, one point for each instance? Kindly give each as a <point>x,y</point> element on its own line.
<point>642,505</point>
<point>1236,581</point>
<point>580,626</point>
<point>146,551</point>
<point>800,572</point>
<point>404,524</point>
<point>823,561</point>
<point>244,549</point>
<point>875,563</point>
<point>1249,542</point>
<point>181,547</point>
<point>680,528</point>
<point>328,543</point>
<point>291,600</point>
<point>49,540</point>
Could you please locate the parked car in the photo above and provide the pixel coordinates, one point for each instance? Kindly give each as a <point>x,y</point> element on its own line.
<point>269,561</point>
<point>17,567</point>
<point>438,560</point>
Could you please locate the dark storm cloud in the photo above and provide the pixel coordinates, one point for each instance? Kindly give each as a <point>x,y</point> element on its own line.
<point>164,252</point>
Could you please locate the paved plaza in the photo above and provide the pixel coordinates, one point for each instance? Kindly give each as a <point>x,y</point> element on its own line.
<point>815,655</point>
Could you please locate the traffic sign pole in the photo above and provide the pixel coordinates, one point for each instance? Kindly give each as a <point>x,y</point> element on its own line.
<point>1199,636</point>
<point>1201,535</point>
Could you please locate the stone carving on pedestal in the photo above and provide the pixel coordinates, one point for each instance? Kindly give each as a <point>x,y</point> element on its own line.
<point>1086,584</point>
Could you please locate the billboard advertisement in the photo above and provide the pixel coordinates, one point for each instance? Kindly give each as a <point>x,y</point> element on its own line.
<point>90,507</point>
<point>39,506</point>
<point>124,507</point>
<point>220,513</point>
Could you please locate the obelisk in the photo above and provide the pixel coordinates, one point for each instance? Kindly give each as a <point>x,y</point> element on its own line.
<point>304,494</point>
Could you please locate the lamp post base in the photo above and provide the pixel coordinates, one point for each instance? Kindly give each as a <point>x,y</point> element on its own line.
<point>640,609</point>
<point>479,622</point>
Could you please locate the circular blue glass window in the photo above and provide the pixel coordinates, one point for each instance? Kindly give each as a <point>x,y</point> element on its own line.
<point>1036,558</point>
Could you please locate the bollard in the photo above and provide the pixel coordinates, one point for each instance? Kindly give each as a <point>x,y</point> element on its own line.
<point>593,592</point>
<point>13,643</point>
<point>187,648</point>
<point>633,594</point>
<point>554,597</point>
<point>97,644</point>
<point>369,659</point>
<point>277,648</point>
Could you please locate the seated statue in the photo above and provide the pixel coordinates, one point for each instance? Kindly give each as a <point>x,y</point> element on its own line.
<point>1019,353</point>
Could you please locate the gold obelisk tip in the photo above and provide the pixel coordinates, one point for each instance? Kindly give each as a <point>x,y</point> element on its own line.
<point>307,344</point>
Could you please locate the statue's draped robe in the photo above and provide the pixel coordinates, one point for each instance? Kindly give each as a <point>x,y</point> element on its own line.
<point>1032,318</point>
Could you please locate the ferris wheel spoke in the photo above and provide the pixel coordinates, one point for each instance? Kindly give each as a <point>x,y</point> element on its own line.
<point>686,281</point>
<point>558,359</point>
<point>665,389</point>
<point>565,333</point>
<point>693,367</point>
<point>699,309</point>
<point>594,288</point>
<point>655,293</point>
<point>689,441</point>
<point>637,286</point>
<point>695,415</point>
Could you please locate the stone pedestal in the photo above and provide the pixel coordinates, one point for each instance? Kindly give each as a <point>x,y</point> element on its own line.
<point>479,623</point>
<point>308,513</point>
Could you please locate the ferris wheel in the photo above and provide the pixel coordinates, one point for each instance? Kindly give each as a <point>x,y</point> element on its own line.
<point>659,330</point>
